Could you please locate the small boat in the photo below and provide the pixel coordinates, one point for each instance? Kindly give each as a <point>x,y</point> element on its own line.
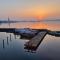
<point>26,32</point>
<point>55,33</point>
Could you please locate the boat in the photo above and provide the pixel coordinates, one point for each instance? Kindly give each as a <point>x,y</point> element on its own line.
<point>55,33</point>
<point>26,32</point>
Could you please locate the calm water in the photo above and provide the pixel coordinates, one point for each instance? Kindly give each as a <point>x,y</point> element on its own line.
<point>12,47</point>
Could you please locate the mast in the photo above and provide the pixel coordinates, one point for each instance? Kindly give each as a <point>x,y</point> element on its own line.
<point>9,22</point>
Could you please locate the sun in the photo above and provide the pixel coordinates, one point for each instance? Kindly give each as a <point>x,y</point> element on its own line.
<point>40,17</point>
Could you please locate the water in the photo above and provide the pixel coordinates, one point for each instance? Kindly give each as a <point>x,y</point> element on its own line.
<point>12,47</point>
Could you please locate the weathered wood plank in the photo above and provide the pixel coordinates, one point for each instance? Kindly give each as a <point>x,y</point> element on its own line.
<point>35,41</point>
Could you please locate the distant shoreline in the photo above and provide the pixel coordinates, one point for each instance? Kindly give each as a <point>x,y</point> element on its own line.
<point>27,21</point>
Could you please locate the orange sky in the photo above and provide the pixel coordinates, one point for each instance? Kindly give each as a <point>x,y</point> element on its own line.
<point>39,9</point>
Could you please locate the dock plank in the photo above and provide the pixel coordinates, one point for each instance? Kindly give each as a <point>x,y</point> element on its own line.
<point>35,41</point>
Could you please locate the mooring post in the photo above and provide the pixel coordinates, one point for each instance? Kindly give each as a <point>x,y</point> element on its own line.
<point>3,44</point>
<point>7,41</point>
<point>10,37</point>
<point>15,36</point>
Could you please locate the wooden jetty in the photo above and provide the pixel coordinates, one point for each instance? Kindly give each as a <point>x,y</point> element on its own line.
<point>35,41</point>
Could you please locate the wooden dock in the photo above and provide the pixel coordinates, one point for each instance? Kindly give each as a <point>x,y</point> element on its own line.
<point>35,41</point>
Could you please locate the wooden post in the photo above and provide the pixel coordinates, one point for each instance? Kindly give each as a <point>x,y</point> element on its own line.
<point>7,41</point>
<point>3,44</point>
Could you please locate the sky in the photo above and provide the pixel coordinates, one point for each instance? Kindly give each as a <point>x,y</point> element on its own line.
<point>40,9</point>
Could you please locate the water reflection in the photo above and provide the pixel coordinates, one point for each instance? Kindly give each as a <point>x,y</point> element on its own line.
<point>10,37</point>
<point>12,48</point>
<point>35,25</point>
<point>32,50</point>
<point>17,46</point>
<point>6,40</point>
